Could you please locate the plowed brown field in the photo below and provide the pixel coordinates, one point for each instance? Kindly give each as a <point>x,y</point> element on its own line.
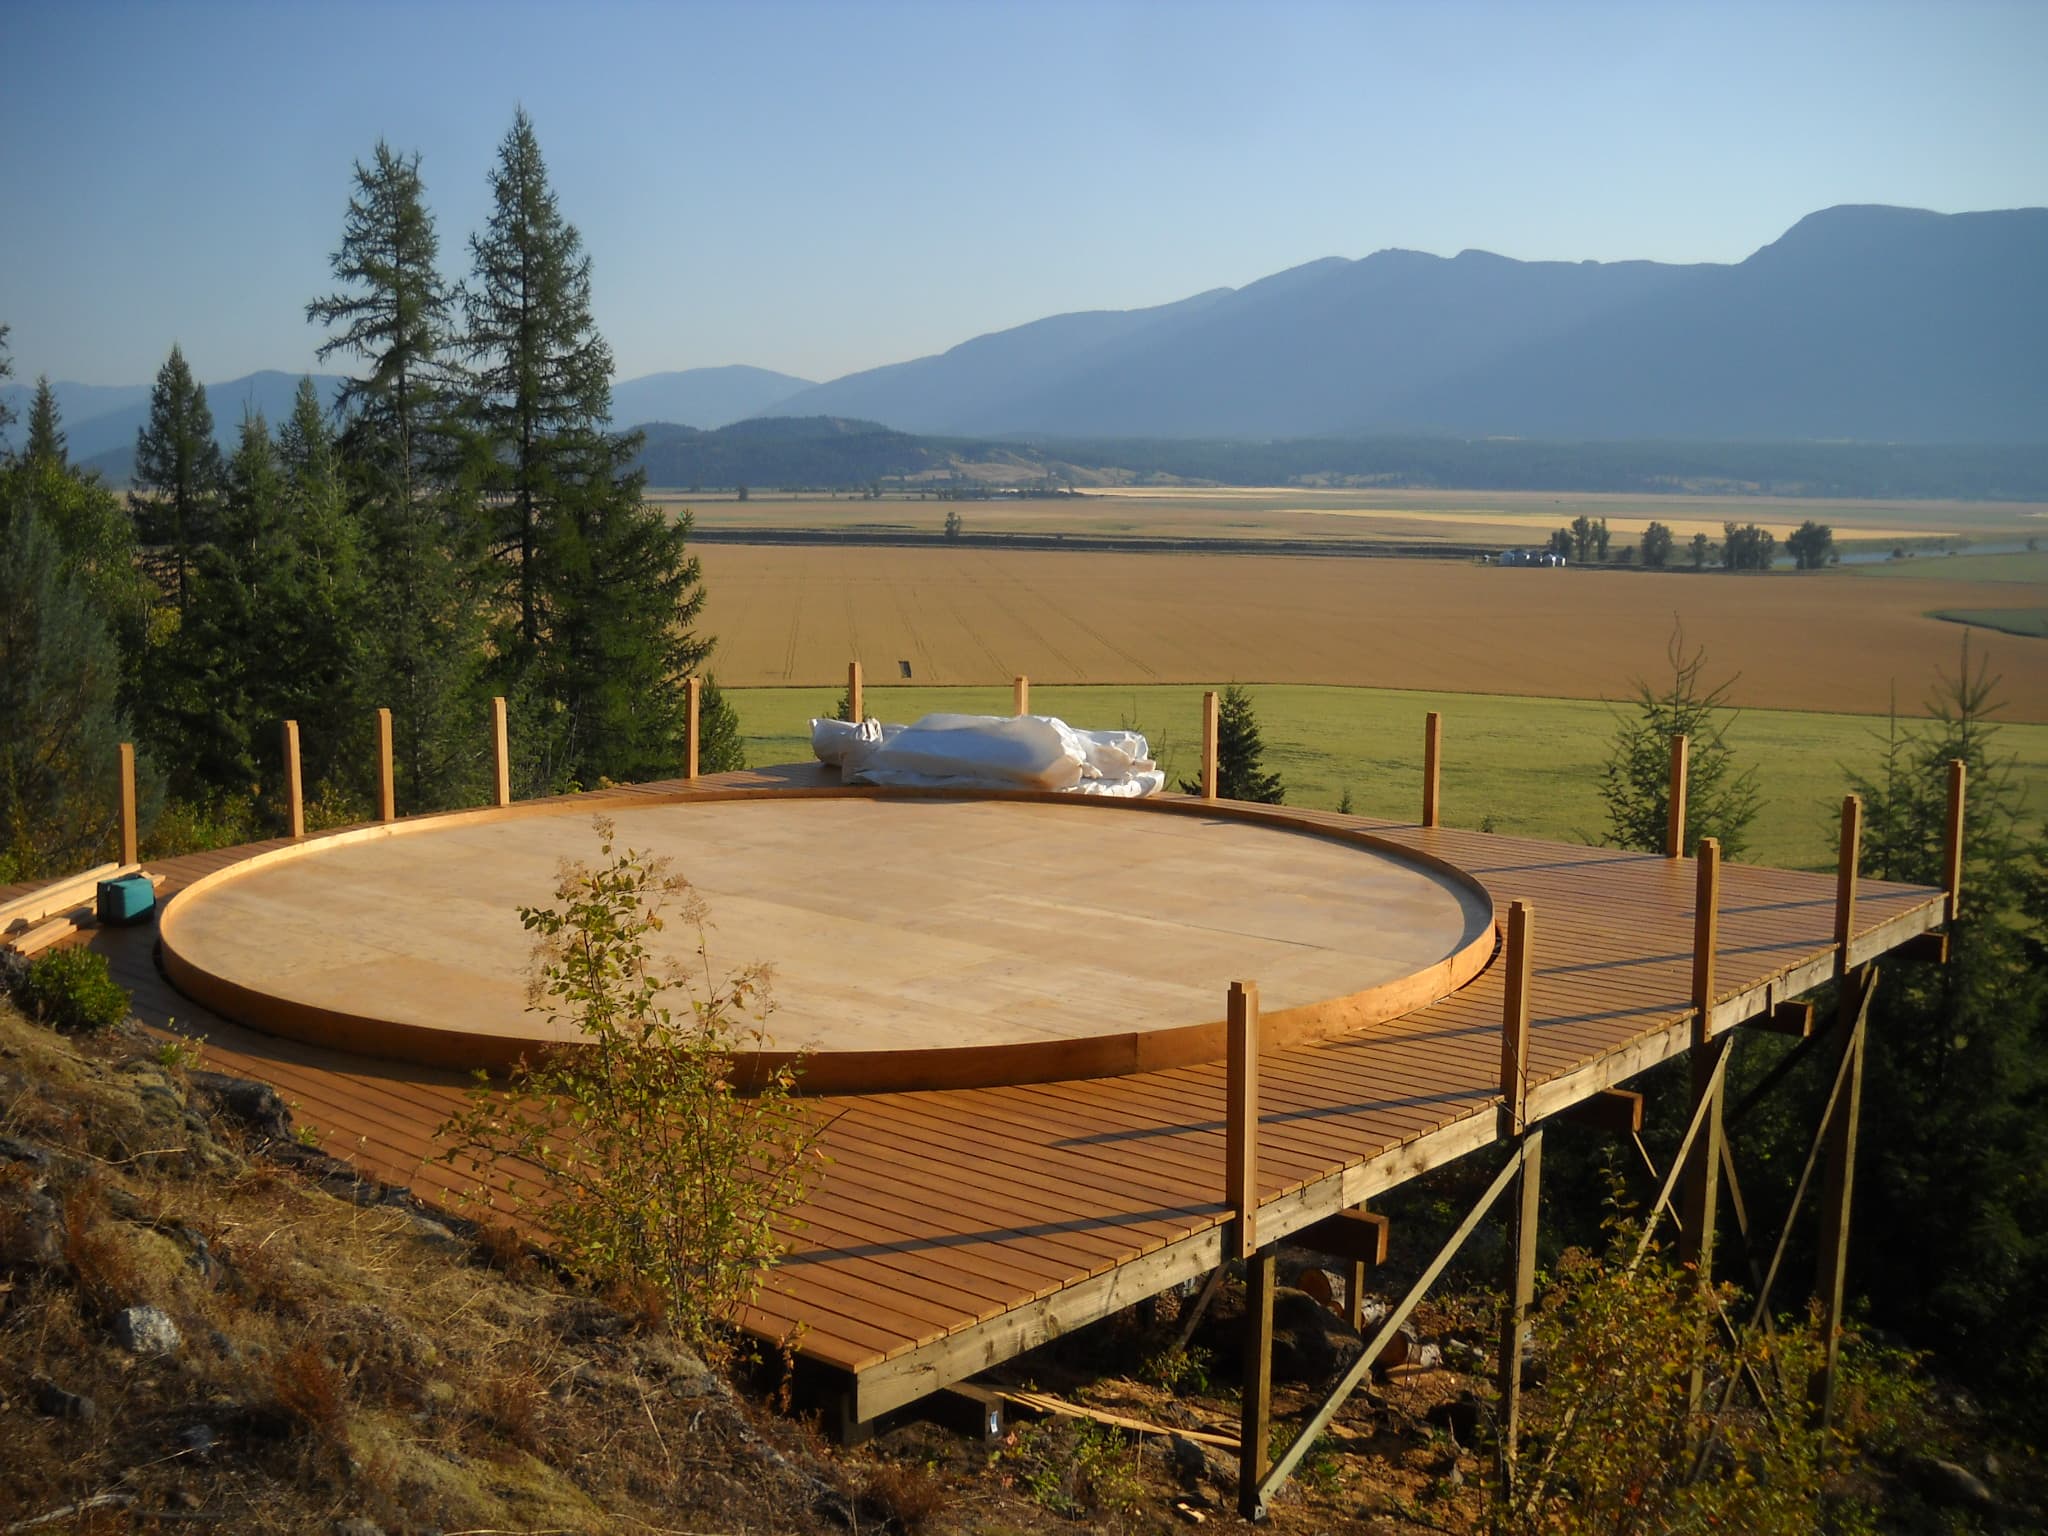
<point>1814,641</point>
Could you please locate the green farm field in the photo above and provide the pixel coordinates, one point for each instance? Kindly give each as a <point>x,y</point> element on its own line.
<point>1532,764</point>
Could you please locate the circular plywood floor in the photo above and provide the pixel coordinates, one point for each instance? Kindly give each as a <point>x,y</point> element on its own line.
<point>914,942</point>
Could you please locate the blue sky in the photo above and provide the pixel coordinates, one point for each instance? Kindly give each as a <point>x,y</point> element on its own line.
<point>819,188</point>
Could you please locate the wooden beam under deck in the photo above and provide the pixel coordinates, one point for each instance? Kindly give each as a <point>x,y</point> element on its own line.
<point>1038,1209</point>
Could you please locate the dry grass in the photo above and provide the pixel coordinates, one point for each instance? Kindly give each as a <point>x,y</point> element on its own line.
<point>1820,641</point>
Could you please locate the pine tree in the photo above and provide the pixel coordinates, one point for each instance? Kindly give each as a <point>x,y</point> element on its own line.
<point>177,469</point>
<point>1240,754</point>
<point>58,683</point>
<point>6,373</point>
<point>720,746</point>
<point>602,587</point>
<point>409,481</point>
<point>45,430</point>
<point>1635,784</point>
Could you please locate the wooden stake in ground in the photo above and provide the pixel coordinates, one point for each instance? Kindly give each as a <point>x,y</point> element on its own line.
<point>1255,1423</point>
<point>1701,1189</point>
<point>294,783</point>
<point>387,794</point>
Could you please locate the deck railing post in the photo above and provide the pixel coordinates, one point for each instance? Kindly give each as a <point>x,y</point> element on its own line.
<point>1674,812</point>
<point>694,691</point>
<point>1514,1022</point>
<point>1021,696</point>
<point>1514,1326</point>
<point>1839,1183</point>
<point>1241,1118</point>
<point>1209,740</point>
<point>387,794</point>
<point>501,754</point>
<point>1432,765</point>
<point>294,783</point>
<point>1847,859</point>
<point>1952,846</point>
<point>856,706</point>
<point>130,833</point>
<point>1700,1191</point>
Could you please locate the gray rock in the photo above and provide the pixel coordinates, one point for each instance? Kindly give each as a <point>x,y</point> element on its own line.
<point>1310,1342</point>
<point>1950,1484</point>
<point>15,1150</point>
<point>197,1439</point>
<point>53,1400</point>
<point>147,1331</point>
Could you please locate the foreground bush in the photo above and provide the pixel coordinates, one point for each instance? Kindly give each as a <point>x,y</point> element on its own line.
<point>657,1170</point>
<point>72,988</point>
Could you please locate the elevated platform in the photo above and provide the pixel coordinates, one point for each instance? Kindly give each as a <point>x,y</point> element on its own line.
<point>954,1229</point>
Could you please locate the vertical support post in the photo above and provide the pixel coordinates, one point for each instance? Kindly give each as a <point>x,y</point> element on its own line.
<point>501,754</point>
<point>294,783</point>
<point>1952,847</point>
<point>856,707</point>
<point>1021,697</point>
<point>1432,765</point>
<point>1241,1118</point>
<point>694,692</point>
<point>387,794</point>
<point>130,834</point>
<point>1674,815</point>
<point>1846,863</point>
<point>1255,1422</point>
<point>1354,1296</point>
<point>1840,1182</point>
<point>1209,739</point>
<point>1514,1020</point>
<point>1700,1191</point>
<point>1514,1325</point>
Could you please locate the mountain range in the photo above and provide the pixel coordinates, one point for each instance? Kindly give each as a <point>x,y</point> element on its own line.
<point>1861,323</point>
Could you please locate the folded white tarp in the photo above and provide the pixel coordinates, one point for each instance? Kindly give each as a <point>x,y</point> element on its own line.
<point>989,752</point>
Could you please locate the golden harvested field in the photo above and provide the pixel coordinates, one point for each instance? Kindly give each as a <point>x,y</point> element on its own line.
<point>1497,518</point>
<point>1824,640</point>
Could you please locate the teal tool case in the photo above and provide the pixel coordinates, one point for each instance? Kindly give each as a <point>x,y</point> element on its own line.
<point>126,899</point>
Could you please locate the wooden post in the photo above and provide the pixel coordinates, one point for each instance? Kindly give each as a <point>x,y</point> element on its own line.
<point>1241,1118</point>
<point>1700,1191</point>
<point>1255,1422</point>
<point>694,690</point>
<point>1952,848</point>
<point>130,833</point>
<point>1514,1020</point>
<point>1838,1189</point>
<point>1022,696</point>
<point>387,795</point>
<point>1846,862</point>
<point>294,783</point>
<point>1674,816</point>
<point>1209,738</point>
<point>501,754</point>
<point>1514,1326</point>
<point>856,707</point>
<point>1432,765</point>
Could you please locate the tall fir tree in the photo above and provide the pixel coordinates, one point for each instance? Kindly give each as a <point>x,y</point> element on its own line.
<point>1240,754</point>
<point>6,373</point>
<point>177,470</point>
<point>46,443</point>
<point>600,590</point>
<point>406,454</point>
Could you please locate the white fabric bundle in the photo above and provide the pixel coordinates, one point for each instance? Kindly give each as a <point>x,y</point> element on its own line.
<point>989,752</point>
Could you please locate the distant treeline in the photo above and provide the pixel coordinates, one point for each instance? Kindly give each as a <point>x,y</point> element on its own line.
<point>834,452</point>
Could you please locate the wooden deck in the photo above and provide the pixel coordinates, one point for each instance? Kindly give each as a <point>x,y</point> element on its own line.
<point>955,1229</point>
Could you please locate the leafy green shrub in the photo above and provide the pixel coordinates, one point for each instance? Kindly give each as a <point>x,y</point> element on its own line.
<point>72,988</point>
<point>1075,1468</point>
<point>657,1169</point>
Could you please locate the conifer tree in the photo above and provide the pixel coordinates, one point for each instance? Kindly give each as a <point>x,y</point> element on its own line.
<point>177,469</point>
<point>6,373</point>
<point>408,481</point>
<point>601,587</point>
<point>720,746</point>
<point>45,429</point>
<point>1635,784</point>
<point>1240,754</point>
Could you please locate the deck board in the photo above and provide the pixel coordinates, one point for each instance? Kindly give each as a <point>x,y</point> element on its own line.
<point>954,1227</point>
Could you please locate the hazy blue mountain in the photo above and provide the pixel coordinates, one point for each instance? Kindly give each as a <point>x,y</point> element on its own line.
<point>75,402</point>
<point>1877,324</point>
<point>702,397</point>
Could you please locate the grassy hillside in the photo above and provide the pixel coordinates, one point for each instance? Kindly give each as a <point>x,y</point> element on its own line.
<point>1533,765</point>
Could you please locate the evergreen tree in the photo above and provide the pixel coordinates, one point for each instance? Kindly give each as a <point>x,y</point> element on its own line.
<point>6,373</point>
<point>410,483</point>
<point>1635,784</point>
<point>720,746</point>
<point>45,429</point>
<point>96,542</point>
<point>58,682</point>
<point>177,469</point>
<point>305,446</point>
<point>1240,754</point>
<point>601,586</point>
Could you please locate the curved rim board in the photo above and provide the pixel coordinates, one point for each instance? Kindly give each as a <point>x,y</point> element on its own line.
<point>925,948</point>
